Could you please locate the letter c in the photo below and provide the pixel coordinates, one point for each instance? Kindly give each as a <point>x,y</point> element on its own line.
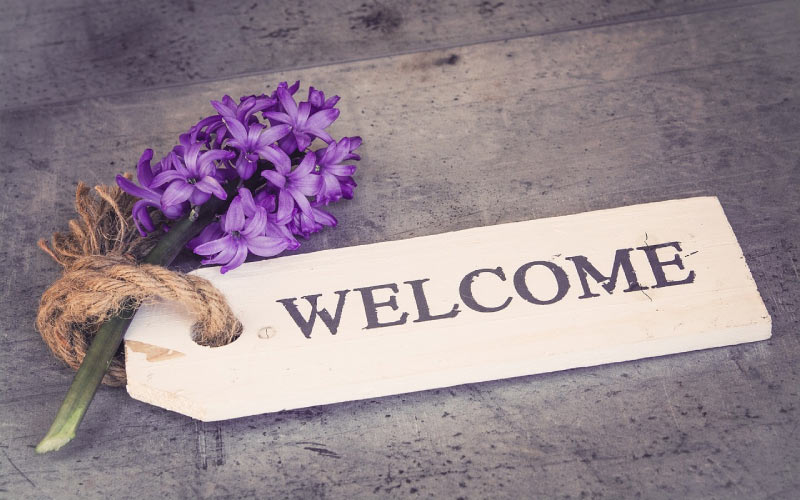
<point>465,290</point>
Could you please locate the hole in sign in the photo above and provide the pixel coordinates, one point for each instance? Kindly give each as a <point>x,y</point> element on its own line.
<point>267,332</point>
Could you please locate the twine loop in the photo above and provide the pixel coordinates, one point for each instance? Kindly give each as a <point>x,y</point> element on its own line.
<point>102,277</point>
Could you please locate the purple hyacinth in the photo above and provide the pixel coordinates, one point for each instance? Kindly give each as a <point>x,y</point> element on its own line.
<point>214,127</point>
<point>240,235</point>
<point>149,195</point>
<point>293,185</point>
<point>305,125</point>
<point>245,110</point>
<point>292,89</point>
<point>306,224</point>
<point>251,143</point>
<point>194,178</point>
<point>276,200</point>
<point>337,180</point>
<point>317,100</point>
<point>251,204</point>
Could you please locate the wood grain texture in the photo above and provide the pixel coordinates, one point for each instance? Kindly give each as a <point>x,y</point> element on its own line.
<point>704,103</point>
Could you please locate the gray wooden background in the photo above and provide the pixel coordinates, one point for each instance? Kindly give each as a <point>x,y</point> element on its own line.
<point>473,113</point>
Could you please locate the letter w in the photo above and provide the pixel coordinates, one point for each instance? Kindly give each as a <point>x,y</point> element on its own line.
<point>307,325</point>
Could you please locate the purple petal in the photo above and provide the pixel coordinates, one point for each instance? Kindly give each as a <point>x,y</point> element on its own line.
<point>316,97</point>
<point>306,167</point>
<point>245,167</point>
<point>248,203</point>
<point>142,218</point>
<point>190,156</point>
<point>254,132</point>
<point>332,154</point>
<point>348,185</point>
<point>303,140</point>
<point>265,246</point>
<point>237,260</point>
<point>308,185</point>
<point>277,231</point>
<point>199,197</point>
<point>324,217</point>
<point>211,232</point>
<point>302,113</point>
<point>177,164</point>
<point>331,102</point>
<point>322,153</point>
<point>300,199</point>
<point>214,246</point>
<point>278,158</point>
<point>257,224</point>
<point>285,206</point>
<point>209,121</point>
<point>355,143</point>
<point>209,157</point>
<point>134,190</point>
<point>209,184</point>
<point>177,192</point>
<point>246,102</point>
<point>225,255</point>
<point>265,199</point>
<point>288,143</point>
<point>271,135</point>
<point>167,176</point>
<point>236,128</point>
<point>275,178</point>
<point>261,104</point>
<point>234,218</point>
<point>330,190</point>
<point>321,119</point>
<point>222,109</point>
<point>175,211</point>
<point>340,170</point>
<point>278,117</point>
<point>287,101</point>
<point>143,171</point>
<point>318,132</point>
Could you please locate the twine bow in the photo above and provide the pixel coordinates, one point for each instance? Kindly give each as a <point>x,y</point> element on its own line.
<point>102,277</point>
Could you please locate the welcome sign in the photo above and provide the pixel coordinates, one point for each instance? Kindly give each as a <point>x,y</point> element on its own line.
<point>468,306</point>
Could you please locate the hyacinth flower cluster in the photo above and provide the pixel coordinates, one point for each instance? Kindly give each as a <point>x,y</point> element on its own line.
<point>258,155</point>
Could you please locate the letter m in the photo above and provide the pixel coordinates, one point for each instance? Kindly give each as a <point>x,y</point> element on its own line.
<point>306,325</point>
<point>622,260</point>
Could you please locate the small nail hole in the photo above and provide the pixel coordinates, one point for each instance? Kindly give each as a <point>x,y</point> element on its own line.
<point>266,332</point>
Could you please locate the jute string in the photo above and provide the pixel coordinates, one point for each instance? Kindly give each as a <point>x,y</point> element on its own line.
<point>102,276</point>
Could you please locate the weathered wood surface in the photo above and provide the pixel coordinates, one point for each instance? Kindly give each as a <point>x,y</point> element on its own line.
<point>482,304</point>
<point>71,49</point>
<point>694,100</point>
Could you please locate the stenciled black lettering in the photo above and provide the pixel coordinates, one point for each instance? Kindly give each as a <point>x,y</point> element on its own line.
<point>622,260</point>
<point>371,307</point>
<point>658,265</point>
<point>465,290</point>
<point>524,291</point>
<point>423,308</point>
<point>307,325</point>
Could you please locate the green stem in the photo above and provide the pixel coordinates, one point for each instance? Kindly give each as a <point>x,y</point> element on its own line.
<point>109,337</point>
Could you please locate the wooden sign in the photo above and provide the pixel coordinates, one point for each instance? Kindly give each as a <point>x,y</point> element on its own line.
<point>467,306</point>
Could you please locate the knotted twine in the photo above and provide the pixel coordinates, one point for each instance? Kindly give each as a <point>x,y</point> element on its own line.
<point>103,276</point>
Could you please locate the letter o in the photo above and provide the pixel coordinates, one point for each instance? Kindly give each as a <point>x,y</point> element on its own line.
<point>522,287</point>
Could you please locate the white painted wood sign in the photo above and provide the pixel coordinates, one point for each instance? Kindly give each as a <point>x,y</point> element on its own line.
<point>467,306</point>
